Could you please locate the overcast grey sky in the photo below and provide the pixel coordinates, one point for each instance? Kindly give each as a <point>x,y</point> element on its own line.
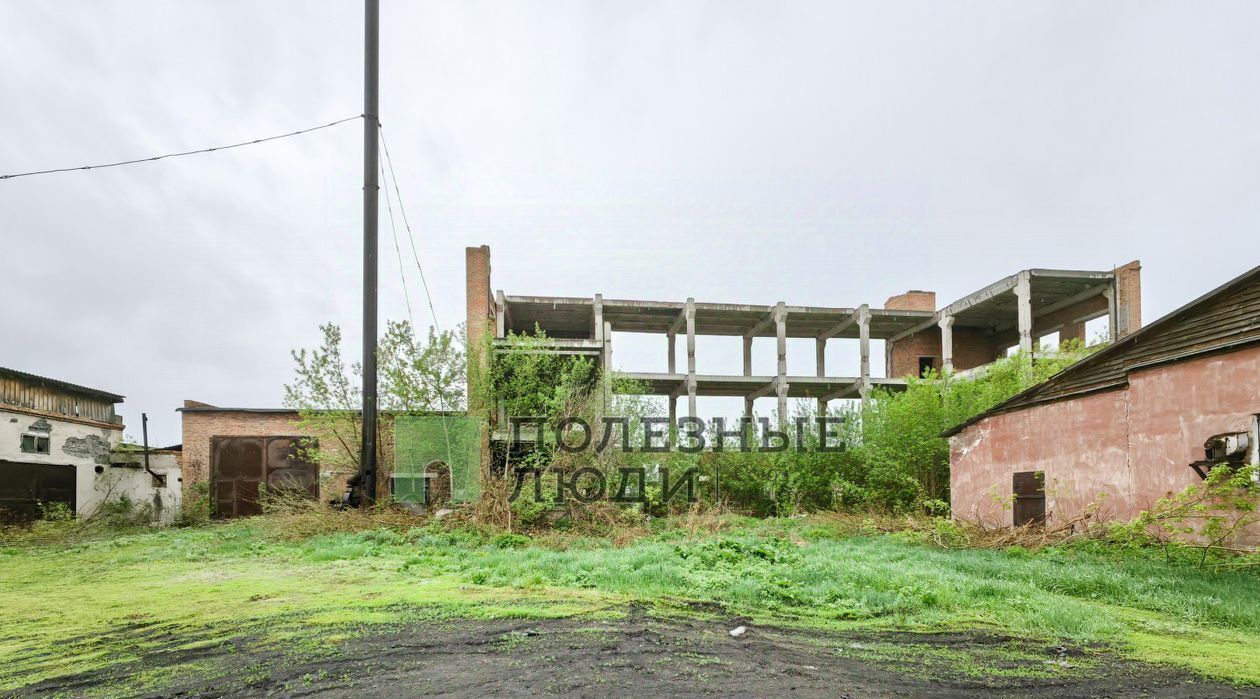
<point>825,153</point>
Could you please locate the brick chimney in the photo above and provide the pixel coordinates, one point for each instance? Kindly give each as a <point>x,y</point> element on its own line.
<point>913,300</point>
<point>477,288</point>
<point>1128,298</point>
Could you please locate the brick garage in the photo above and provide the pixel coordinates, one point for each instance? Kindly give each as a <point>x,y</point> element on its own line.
<point>203,422</point>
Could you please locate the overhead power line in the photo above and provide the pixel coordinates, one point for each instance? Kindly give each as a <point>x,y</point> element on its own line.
<point>442,407</point>
<point>403,210</point>
<point>176,155</point>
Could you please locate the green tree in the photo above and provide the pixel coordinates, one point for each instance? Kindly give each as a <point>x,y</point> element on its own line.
<point>413,376</point>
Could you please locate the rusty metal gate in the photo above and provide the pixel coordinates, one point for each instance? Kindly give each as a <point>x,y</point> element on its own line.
<point>239,465</point>
<point>27,489</point>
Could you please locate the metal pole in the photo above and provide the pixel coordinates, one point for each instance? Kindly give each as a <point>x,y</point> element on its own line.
<point>144,431</point>
<point>371,123</point>
<point>159,478</point>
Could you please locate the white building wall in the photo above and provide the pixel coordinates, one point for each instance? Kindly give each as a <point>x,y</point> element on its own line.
<point>88,448</point>
<point>128,477</point>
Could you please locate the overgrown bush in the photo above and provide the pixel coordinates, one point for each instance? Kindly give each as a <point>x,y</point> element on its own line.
<point>194,508</point>
<point>58,523</point>
<point>903,461</point>
<point>1202,524</point>
<point>893,457</point>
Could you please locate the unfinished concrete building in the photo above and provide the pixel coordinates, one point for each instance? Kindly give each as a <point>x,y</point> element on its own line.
<point>966,334</point>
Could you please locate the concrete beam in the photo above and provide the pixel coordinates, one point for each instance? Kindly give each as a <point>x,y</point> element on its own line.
<point>842,392</point>
<point>1089,316</point>
<point>765,321</point>
<point>842,325</point>
<point>682,318</point>
<point>764,390</point>
<point>1060,305</point>
<point>999,287</point>
<point>1071,273</point>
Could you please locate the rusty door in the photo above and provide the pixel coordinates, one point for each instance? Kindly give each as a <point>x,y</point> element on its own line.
<point>1029,490</point>
<point>239,465</point>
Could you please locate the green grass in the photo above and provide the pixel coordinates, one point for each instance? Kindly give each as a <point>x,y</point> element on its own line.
<point>106,603</point>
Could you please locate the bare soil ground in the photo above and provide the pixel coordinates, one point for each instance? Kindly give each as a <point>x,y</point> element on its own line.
<point>646,656</point>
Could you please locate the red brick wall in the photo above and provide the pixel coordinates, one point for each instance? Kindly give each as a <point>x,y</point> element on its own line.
<point>902,358</point>
<point>903,355</point>
<point>973,348</point>
<point>1135,443</point>
<point>200,427</point>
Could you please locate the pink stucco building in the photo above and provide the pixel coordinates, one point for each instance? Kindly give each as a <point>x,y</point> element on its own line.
<point>1123,427</point>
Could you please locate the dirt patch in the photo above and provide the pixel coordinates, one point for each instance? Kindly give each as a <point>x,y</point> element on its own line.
<point>644,655</point>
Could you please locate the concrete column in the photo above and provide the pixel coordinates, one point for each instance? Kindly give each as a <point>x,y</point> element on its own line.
<point>780,332</point>
<point>608,363</point>
<point>597,318</point>
<point>1112,321</point>
<point>1023,299</point>
<point>864,344</point>
<point>781,394</point>
<point>748,356</point>
<point>820,366</point>
<point>670,339</point>
<point>864,340</point>
<point>500,314</point>
<point>947,343</point>
<point>691,357</point>
<point>673,413</point>
<point>748,408</point>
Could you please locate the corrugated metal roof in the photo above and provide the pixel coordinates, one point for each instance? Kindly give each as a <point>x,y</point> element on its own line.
<point>1224,318</point>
